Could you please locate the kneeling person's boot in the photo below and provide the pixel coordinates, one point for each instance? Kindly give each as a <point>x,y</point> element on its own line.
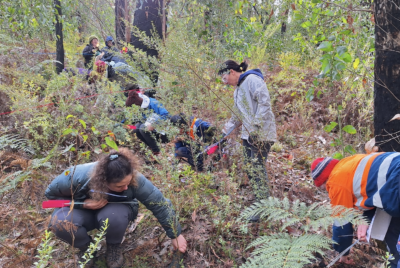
<point>114,256</point>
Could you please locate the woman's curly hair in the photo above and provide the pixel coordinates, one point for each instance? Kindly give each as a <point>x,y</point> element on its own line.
<point>113,168</point>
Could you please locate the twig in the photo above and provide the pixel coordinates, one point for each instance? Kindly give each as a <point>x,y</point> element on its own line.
<point>215,254</point>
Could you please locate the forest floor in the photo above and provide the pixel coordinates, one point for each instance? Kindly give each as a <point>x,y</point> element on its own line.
<point>208,203</point>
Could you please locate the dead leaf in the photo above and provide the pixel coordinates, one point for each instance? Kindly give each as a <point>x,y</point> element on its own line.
<point>322,139</point>
<point>396,117</point>
<point>139,218</point>
<point>293,231</point>
<point>293,7</point>
<point>350,20</point>
<point>194,216</point>
<point>369,146</point>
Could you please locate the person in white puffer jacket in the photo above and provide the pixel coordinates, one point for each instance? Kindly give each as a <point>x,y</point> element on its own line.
<point>252,109</point>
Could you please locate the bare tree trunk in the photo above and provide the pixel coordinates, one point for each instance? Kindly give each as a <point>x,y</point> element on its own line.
<point>147,14</point>
<point>387,74</point>
<point>164,20</point>
<point>128,19</point>
<point>121,8</point>
<point>59,37</point>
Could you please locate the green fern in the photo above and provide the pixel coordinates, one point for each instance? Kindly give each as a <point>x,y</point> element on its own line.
<point>14,142</point>
<point>12,180</point>
<point>284,249</point>
<point>298,213</point>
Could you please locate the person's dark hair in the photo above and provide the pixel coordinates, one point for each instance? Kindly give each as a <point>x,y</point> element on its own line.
<point>179,120</point>
<point>232,65</point>
<point>112,168</point>
<point>129,87</point>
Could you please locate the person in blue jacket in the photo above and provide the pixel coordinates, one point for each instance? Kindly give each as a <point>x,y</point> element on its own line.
<point>149,129</point>
<point>109,50</point>
<point>192,135</point>
<point>100,186</point>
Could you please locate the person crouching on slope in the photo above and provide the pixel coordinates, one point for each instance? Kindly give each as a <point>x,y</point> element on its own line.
<point>153,115</point>
<point>192,135</point>
<point>114,178</point>
<point>367,182</point>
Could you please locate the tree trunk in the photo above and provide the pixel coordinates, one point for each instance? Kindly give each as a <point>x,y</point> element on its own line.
<point>387,74</point>
<point>121,9</point>
<point>59,37</point>
<point>147,14</point>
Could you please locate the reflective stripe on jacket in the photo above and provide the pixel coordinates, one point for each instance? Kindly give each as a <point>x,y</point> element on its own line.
<point>367,181</point>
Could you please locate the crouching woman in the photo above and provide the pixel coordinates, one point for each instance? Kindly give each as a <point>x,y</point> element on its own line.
<point>102,187</point>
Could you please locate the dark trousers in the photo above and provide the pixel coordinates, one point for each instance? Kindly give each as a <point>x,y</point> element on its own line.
<point>392,239</point>
<point>150,137</point>
<point>188,152</point>
<point>255,157</point>
<point>85,220</point>
<point>343,236</point>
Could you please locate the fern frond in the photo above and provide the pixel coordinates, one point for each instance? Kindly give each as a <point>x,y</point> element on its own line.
<point>299,214</point>
<point>12,180</point>
<point>15,142</point>
<point>272,208</point>
<point>283,250</point>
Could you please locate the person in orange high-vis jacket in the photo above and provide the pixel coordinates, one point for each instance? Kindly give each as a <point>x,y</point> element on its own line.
<point>365,182</point>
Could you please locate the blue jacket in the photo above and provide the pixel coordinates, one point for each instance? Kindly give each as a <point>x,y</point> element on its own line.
<point>146,193</point>
<point>201,129</point>
<point>200,126</point>
<point>158,108</point>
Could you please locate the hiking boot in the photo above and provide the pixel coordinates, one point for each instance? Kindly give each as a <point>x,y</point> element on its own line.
<point>114,256</point>
<point>81,253</point>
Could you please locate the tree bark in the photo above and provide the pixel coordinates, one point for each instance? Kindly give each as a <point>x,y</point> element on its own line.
<point>59,37</point>
<point>147,14</point>
<point>387,74</point>
<point>121,9</point>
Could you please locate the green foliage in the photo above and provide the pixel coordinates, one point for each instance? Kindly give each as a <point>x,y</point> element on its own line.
<point>44,250</point>
<point>94,246</point>
<point>296,248</point>
<point>15,142</point>
<point>283,250</point>
<point>12,180</point>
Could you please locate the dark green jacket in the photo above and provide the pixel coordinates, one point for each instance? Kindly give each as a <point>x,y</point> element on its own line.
<point>146,193</point>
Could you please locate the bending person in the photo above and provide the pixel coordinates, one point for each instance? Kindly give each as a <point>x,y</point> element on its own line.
<point>189,143</point>
<point>148,130</point>
<point>114,178</point>
<point>369,182</point>
<point>252,110</point>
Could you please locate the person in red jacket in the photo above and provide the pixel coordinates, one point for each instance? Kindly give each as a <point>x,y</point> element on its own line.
<point>368,182</point>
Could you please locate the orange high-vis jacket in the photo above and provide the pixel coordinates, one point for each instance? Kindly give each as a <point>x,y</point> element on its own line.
<point>367,181</point>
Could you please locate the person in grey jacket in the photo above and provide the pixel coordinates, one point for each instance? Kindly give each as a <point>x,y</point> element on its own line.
<point>252,110</point>
<point>100,186</point>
